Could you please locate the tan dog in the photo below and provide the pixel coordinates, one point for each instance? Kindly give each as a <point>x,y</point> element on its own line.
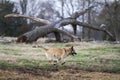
<point>55,54</point>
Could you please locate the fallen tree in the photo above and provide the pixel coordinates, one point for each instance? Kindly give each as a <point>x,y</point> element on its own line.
<point>54,27</point>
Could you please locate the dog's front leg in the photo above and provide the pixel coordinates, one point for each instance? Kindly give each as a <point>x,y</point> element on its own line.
<point>63,62</point>
<point>51,61</point>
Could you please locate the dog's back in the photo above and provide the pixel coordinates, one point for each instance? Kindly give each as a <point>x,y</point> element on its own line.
<point>54,53</point>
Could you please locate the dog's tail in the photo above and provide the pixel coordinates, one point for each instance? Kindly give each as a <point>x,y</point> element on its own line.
<point>41,47</point>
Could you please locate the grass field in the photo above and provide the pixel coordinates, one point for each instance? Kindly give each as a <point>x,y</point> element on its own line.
<point>94,61</point>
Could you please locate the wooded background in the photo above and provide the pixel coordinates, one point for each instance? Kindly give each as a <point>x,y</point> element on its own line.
<point>82,19</point>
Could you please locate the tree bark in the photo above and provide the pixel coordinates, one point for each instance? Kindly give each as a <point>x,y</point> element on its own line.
<point>40,21</point>
<point>58,37</point>
<point>74,28</point>
<point>33,35</point>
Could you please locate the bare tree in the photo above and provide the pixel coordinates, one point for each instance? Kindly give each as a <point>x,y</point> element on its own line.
<point>38,32</point>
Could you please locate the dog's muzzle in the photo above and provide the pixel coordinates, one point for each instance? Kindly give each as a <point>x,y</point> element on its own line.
<point>74,54</point>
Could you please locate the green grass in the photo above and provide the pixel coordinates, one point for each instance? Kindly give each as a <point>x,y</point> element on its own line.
<point>11,51</point>
<point>5,65</point>
<point>105,58</point>
<point>104,49</point>
<point>22,63</point>
<point>100,59</point>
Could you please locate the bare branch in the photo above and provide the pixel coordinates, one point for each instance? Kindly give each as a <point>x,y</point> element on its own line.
<point>79,13</point>
<point>74,21</point>
<point>94,28</point>
<point>66,33</point>
<point>42,21</point>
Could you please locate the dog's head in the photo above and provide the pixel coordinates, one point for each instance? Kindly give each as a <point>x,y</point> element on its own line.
<point>73,51</point>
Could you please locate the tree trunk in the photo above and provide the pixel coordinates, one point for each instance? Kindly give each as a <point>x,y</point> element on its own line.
<point>38,32</point>
<point>34,34</point>
<point>89,21</point>
<point>74,28</point>
<point>57,36</point>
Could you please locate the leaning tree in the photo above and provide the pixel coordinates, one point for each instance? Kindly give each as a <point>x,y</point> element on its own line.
<point>47,27</point>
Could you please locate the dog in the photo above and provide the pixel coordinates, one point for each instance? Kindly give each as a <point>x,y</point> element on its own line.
<point>55,55</point>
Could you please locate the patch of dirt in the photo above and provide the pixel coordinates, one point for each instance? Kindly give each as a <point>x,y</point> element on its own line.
<point>54,74</point>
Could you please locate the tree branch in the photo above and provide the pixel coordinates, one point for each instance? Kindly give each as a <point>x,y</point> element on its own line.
<point>74,21</point>
<point>79,13</point>
<point>94,28</point>
<point>33,35</point>
<point>41,21</point>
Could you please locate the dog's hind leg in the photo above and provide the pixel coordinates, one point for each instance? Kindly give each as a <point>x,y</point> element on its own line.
<point>63,60</point>
<point>63,63</point>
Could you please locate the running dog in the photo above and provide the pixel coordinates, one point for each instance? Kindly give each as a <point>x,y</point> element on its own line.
<point>56,54</point>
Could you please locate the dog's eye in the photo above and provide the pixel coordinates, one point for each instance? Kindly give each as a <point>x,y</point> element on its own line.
<point>72,51</point>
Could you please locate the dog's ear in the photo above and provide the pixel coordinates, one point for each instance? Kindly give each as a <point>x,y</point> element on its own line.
<point>71,47</point>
